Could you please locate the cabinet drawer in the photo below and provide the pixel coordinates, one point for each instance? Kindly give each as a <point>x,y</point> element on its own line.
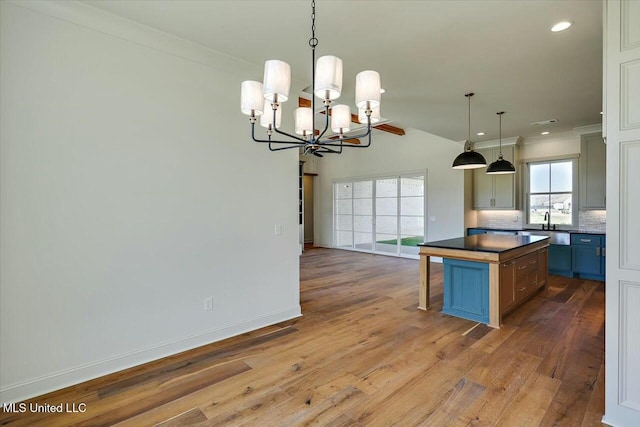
<point>585,239</point>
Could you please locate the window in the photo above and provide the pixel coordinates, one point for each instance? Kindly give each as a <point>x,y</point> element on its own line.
<point>550,189</point>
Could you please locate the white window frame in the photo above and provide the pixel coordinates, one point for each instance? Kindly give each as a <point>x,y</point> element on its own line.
<point>574,190</point>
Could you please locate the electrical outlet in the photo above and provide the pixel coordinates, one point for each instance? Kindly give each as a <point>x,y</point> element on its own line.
<point>516,218</point>
<point>208,304</point>
<point>277,230</point>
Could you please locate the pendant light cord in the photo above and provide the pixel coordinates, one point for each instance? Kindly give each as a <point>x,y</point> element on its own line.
<point>500,130</point>
<point>469,121</point>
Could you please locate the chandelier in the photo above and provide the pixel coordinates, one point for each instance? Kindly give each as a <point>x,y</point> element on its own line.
<point>263,100</point>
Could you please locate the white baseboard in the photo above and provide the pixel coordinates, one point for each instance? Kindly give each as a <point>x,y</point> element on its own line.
<point>58,380</point>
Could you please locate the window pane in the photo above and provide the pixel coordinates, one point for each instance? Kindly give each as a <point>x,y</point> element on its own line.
<point>561,208</point>
<point>343,207</point>
<point>344,238</point>
<point>538,205</point>
<point>387,187</point>
<point>363,224</point>
<point>412,226</point>
<point>412,206</point>
<point>561,177</point>
<point>386,206</point>
<point>363,241</point>
<point>387,225</point>
<point>412,186</point>
<point>344,190</point>
<point>362,189</point>
<point>344,222</point>
<point>539,178</point>
<point>363,207</point>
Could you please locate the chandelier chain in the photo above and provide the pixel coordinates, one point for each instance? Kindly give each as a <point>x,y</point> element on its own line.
<point>313,41</point>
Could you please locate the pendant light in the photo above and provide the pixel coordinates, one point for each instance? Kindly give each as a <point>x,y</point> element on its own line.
<point>469,159</point>
<point>501,166</point>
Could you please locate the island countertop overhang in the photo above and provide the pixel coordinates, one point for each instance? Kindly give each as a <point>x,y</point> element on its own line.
<point>484,247</point>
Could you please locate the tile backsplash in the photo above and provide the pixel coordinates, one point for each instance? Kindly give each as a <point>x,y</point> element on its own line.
<point>500,219</point>
<point>590,221</point>
<point>594,221</point>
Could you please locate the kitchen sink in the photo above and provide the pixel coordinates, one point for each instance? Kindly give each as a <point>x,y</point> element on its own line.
<point>555,237</point>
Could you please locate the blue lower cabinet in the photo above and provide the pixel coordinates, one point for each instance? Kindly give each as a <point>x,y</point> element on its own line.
<point>474,231</point>
<point>588,256</point>
<point>466,289</point>
<point>560,260</point>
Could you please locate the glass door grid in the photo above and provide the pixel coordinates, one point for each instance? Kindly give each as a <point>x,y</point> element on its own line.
<point>381,215</point>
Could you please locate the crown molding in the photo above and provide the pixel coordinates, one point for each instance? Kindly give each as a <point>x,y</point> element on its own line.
<point>514,140</point>
<point>584,130</point>
<point>557,137</point>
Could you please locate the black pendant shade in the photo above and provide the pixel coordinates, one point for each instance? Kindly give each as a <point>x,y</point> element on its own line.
<point>501,166</point>
<point>469,159</point>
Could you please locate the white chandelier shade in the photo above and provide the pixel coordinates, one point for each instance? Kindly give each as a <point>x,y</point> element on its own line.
<point>368,89</point>
<point>266,119</point>
<point>340,118</point>
<point>304,121</point>
<point>328,77</point>
<point>277,80</point>
<point>251,98</point>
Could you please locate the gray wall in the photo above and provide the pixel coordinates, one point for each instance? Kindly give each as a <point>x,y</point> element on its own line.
<point>130,192</point>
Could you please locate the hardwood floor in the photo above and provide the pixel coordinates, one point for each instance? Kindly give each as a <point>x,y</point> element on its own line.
<point>363,354</point>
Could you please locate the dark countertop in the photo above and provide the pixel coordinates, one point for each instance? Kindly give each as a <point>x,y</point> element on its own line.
<point>485,242</point>
<point>537,229</point>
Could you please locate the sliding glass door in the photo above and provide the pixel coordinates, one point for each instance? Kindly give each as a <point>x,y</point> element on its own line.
<point>411,215</point>
<point>381,215</point>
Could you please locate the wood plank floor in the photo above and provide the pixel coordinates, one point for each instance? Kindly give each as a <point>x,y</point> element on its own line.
<point>363,354</point>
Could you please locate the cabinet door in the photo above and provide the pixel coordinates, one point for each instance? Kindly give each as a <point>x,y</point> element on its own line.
<point>503,185</point>
<point>483,184</point>
<point>543,266</point>
<point>593,172</point>
<point>560,258</point>
<point>603,256</point>
<point>494,191</point>
<point>507,285</point>
<point>586,259</point>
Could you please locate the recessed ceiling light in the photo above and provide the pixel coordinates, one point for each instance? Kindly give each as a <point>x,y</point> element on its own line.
<point>561,26</point>
<point>480,133</point>
<point>544,133</point>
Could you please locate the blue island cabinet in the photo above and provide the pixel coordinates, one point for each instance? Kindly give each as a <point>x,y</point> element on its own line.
<point>466,289</point>
<point>476,286</point>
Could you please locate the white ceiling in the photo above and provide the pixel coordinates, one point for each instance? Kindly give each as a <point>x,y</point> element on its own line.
<point>429,54</point>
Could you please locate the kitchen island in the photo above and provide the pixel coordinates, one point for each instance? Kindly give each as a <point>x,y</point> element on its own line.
<point>486,275</point>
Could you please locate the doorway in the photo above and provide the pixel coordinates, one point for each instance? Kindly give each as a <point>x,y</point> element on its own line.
<point>307,185</point>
